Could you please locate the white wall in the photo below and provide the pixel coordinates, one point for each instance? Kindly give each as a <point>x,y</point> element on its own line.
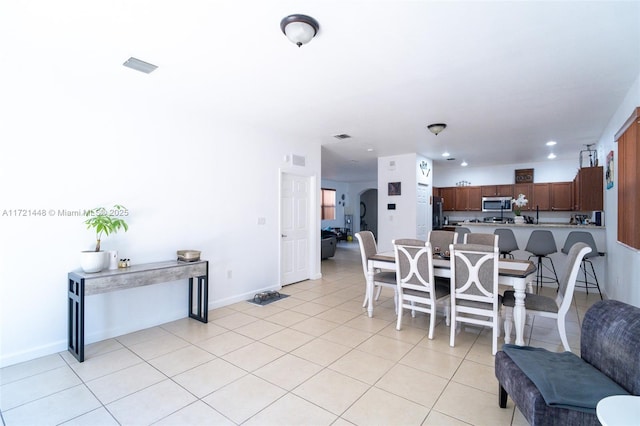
<point>623,263</point>
<point>189,181</point>
<point>401,222</point>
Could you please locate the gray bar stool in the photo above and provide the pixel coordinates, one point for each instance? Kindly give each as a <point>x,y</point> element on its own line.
<point>541,244</point>
<point>587,238</point>
<point>506,242</point>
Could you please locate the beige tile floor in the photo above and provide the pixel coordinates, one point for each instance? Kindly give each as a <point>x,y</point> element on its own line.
<point>314,358</point>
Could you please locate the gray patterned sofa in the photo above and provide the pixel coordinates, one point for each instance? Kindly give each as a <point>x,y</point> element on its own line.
<point>609,364</point>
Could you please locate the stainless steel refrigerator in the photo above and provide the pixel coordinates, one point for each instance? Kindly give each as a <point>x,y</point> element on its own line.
<point>438,218</point>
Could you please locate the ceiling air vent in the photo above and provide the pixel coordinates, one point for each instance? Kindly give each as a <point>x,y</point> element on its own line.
<point>342,136</point>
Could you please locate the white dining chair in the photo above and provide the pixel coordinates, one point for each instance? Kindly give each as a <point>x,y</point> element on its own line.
<point>418,290</point>
<point>549,307</point>
<point>474,288</point>
<point>441,240</point>
<point>368,248</point>
<point>480,238</point>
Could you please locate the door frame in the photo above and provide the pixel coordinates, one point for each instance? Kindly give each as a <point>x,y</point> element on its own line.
<point>313,222</point>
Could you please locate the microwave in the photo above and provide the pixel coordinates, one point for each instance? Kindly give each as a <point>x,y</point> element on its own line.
<point>496,204</point>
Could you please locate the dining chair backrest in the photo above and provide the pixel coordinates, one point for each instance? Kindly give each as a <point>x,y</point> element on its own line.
<point>461,232</point>
<point>414,266</point>
<point>441,240</point>
<point>368,247</point>
<point>568,278</point>
<point>481,239</point>
<point>474,272</point>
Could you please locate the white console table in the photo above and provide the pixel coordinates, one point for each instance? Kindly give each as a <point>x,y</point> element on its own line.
<point>83,284</point>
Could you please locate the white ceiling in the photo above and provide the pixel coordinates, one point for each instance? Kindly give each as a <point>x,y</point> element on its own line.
<point>505,76</point>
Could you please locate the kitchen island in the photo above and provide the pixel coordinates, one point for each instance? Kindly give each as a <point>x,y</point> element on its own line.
<point>560,232</point>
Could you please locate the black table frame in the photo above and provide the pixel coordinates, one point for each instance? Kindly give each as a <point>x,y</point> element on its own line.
<point>82,284</point>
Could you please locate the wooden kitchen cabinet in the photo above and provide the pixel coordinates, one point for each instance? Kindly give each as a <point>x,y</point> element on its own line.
<point>497,190</point>
<point>588,189</point>
<point>541,197</point>
<point>448,195</point>
<point>561,196</point>
<point>468,198</point>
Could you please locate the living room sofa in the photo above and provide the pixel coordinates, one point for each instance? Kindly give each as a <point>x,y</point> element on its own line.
<point>328,244</point>
<point>609,364</point>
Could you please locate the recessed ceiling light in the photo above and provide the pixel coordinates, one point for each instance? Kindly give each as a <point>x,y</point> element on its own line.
<point>369,149</point>
<point>464,164</point>
<point>551,143</point>
<point>551,156</point>
<point>445,154</point>
<point>139,65</point>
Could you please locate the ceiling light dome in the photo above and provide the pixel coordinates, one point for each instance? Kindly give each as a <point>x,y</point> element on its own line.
<point>300,29</point>
<point>436,128</point>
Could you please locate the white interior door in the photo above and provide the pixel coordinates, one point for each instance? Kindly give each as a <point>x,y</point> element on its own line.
<point>422,209</point>
<point>294,227</point>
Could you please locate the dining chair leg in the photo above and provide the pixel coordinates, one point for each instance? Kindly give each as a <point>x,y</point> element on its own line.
<point>379,291</point>
<point>447,315</point>
<point>432,322</point>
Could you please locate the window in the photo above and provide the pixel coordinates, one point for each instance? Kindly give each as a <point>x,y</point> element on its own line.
<point>628,177</point>
<point>328,204</point>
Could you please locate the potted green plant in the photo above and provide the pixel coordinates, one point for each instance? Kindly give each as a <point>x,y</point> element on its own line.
<point>104,222</point>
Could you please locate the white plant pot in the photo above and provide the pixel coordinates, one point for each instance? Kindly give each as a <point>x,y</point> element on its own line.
<point>93,261</point>
<point>518,220</point>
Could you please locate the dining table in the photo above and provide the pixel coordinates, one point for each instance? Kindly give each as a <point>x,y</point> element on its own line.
<point>515,273</point>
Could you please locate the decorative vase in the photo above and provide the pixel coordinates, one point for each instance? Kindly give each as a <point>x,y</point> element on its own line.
<point>94,261</point>
<point>518,220</point>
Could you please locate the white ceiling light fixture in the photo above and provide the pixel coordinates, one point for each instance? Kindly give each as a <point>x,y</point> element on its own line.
<point>551,143</point>
<point>436,128</point>
<point>445,154</point>
<point>464,164</point>
<point>300,29</point>
<point>139,65</point>
<point>551,156</point>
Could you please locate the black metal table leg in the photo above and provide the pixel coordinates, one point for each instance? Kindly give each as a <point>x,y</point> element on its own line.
<point>76,319</point>
<point>202,311</point>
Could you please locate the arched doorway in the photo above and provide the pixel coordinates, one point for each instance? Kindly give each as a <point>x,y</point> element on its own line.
<point>369,211</point>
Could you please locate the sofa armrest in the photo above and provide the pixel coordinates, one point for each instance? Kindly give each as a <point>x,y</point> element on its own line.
<point>610,341</point>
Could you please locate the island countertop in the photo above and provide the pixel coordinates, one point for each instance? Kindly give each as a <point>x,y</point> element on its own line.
<point>528,225</point>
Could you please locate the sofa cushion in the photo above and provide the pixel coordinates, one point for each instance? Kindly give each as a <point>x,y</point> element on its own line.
<point>564,379</point>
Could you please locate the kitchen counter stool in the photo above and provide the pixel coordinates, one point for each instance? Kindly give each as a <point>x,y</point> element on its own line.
<point>541,244</point>
<point>506,242</point>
